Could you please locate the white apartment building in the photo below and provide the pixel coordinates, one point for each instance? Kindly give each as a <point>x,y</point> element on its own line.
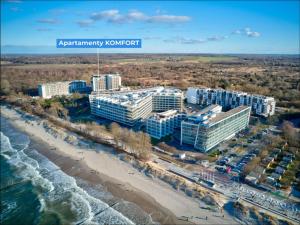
<point>162,124</point>
<point>260,105</point>
<point>129,107</point>
<point>166,99</point>
<point>209,127</point>
<point>125,108</point>
<point>113,82</point>
<point>106,82</point>
<point>98,83</point>
<point>48,90</point>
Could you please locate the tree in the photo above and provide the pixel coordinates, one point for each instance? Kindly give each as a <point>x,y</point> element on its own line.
<point>115,130</point>
<point>5,87</point>
<point>251,165</point>
<point>290,134</point>
<point>56,109</point>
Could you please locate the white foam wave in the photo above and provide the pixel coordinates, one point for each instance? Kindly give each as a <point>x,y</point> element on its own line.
<point>58,186</point>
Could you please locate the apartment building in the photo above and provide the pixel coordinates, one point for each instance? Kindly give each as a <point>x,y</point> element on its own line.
<point>166,99</point>
<point>125,108</point>
<point>162,124</point>
<point>113,82</point>
<point>209,127</point>
<point>106,82</point>
<point>77,86</point>
<point>98,83</point>
<point>260,105</point>
<point>48,90</point>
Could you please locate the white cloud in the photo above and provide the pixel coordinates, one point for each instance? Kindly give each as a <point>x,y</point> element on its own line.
<point>247,31</point>
<point>236,32</point>
<point>216,38</point>
<point>252,34</point>
<point>136,15</point>
<point>85,23</point>
<point>169,19</point>
<point>182,40</point>
<point>114,16</point>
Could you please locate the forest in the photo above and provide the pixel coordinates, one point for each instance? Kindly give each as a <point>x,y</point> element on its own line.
<point>271,75</point>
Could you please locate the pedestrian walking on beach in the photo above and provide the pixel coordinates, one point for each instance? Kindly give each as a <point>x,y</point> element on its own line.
<point>206,217</point>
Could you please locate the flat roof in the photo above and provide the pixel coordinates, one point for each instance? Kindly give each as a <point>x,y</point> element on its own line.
<point>170,112</point>
<point>232,91</point>
<point>133,97</point>
<point>222,115</point>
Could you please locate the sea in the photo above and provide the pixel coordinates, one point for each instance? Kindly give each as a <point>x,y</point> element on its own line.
<point>35,191</point>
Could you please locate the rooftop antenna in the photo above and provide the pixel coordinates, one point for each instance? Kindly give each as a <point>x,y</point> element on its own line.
<point>98,59</point>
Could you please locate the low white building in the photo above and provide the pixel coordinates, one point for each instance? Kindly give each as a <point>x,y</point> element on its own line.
<point>48,90</point>
<point>162,124</point>
<point>260,105</point>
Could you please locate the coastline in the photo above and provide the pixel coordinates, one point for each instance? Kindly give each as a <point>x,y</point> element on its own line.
<point>79,169</point>
<point>156,198</point>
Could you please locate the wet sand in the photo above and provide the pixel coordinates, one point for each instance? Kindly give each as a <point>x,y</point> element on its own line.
<point>79,169</point>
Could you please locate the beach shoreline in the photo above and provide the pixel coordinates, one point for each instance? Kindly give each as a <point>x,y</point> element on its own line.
<point>165,204</point>
<point>119,189</point>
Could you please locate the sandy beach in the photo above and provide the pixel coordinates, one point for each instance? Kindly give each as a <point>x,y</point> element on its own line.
<point>165,204</point>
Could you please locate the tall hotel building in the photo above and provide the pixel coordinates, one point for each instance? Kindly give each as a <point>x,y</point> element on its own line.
<point>106,82</point>
<point>211,126</point>
<point>162,124</point>
<point>48,90</point>
<point>131,107</point>
<point>260,105</point>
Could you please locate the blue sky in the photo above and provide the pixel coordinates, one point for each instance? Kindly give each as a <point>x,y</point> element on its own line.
<point>262,27</point>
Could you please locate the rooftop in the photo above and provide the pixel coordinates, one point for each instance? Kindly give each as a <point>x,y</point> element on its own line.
<point>130,98</point>
<point>223,115</point>
<point>235,92</point>
<point>213,114</point>
<point>167,113</point>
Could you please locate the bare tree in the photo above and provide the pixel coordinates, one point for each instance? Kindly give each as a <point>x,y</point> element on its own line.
<point>115,130</point>
<point>5,87</point>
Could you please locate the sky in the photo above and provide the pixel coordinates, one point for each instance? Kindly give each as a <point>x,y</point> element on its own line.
<point>246,27</point>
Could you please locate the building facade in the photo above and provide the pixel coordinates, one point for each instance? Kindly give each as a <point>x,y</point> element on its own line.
<point>49,90</point>
<point>113,82</point>
<point>162,124</point>
<point>106,82</point>
<point>127,109</point>
<point>260,105</point>
<point>210,127</point>
<point>98,83</point>
<point>77,86</point>
<point>167,99</point>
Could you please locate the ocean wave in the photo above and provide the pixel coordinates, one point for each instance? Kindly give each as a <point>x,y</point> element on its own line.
<point>55,188</point>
